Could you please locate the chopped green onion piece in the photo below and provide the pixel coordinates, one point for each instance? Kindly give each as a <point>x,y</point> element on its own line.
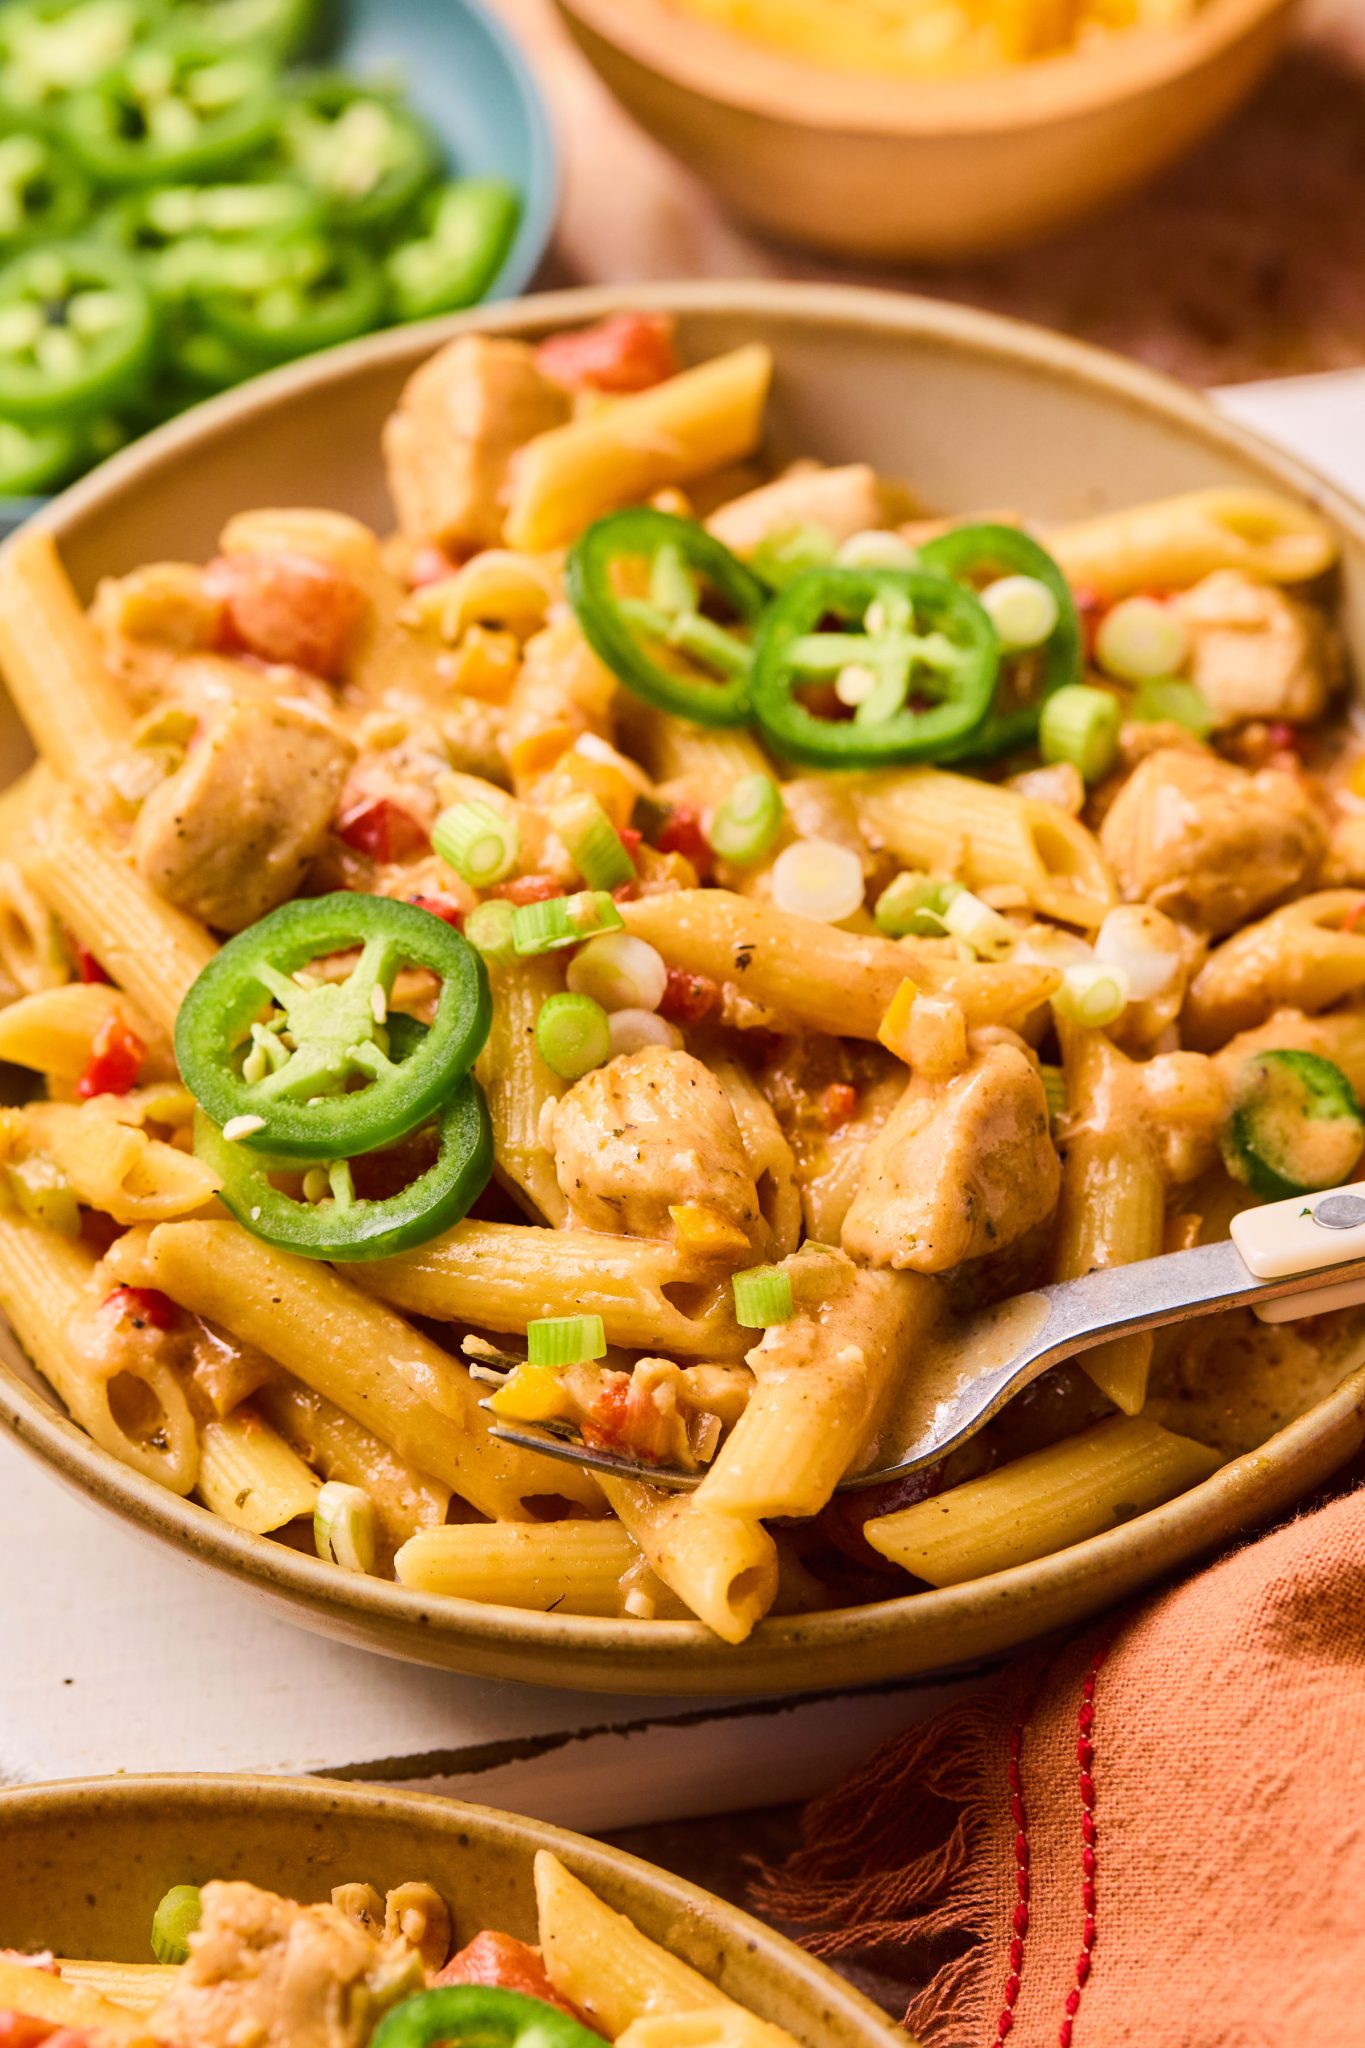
<point>173,1922</point>
<point>1169,701</point>
<point>594,845</point>
<point>913,906</point>
<point>573,1035</point>
<point>40,1190</point>
<point>989,935</point>
<point>763,1296</point>
<point>620,972</point>
<point>746,825</point>
<point>565,1340</point>
<point>780,558</point>
<point>489,929</point>
<point>343,1527</point>
<point>480,843</point>
<point>876,549</point>
<point>819,878</point>
<point>1094,996</point>
<point>1140,639</point>
<point>1023,611</point>
<point>543,927</point>
<point>1054,1087</point>
<point>592,911</point>
<point>1081,725</point>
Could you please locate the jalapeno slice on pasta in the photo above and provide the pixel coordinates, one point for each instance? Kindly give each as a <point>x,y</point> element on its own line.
<point>289,1062</point>
<point>479,2016</point>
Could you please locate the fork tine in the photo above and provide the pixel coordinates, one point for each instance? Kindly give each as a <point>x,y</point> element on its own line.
<point>574,1452</point>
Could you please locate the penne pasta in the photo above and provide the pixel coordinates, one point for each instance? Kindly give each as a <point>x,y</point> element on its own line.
<point>113,1164</point>
<point>1042,1502</point>
<point>517,1084</point>
<point>65,2004</point>
<point>250,1476</point>
<point>53,666</point>
<point>1305,957</point>
<point>1173,542</point>
<point>404,1499</point>
<point>698,421</point>
<point>559,1567</point>
<point>724,1567</point>
<point>137,1987</point>
<point>603,1965</point>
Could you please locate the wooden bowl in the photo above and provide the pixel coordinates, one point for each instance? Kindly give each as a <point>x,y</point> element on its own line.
<point>87,1861</point>
<point>973,411</point>
<point>885,168</point>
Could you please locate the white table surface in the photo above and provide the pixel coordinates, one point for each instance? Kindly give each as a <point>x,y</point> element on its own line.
<point>116,1656</point>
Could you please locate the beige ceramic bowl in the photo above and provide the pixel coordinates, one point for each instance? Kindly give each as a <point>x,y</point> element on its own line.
<point>85,1863</point>
<point>973,411</point>
<point>937,169</point>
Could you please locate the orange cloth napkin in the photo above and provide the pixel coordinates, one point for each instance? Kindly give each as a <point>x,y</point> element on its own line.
<point>1153,1837</point>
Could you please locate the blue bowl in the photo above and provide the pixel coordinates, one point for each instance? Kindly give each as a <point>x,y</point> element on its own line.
<point>465,73</point>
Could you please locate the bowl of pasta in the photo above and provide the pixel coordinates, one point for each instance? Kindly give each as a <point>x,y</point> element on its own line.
<point>194,1910</point>
<point>920,130</point>
<point>613,929</point>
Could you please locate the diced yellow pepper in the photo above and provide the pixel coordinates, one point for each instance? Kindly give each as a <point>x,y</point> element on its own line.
<point>894,1029</point>
<point>486,664</point>
<point>706,1232</point>
<point>538,752</point>
<point>532,1394</point>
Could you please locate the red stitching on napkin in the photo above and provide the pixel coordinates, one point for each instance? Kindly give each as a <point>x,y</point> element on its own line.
<point>1085,1757</point>
<point>1019,1815</point>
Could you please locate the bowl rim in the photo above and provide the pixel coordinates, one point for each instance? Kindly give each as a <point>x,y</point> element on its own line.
<point>371,1607</point>
<point>722,66</point>
<point>314,1799</point>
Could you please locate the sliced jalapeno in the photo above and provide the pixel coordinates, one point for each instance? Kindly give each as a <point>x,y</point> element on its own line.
<point>470,226</point>
<point>181,231</point>
<point>43,197</point>
<point>367,155</point>
<point>676,563</point>
<point>36,458</point>
<point>289,298</point>
<point>280,29</point>
<point>49,48</point>
<point>479,2016</point>
<point>77,328</point>
<point>917,671</point>
<point>168,114</point>
<point>287,1063</point>
<point>981,551</point>
<point>338,1221</point>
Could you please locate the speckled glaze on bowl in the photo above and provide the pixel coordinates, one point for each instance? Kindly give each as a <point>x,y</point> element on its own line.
<point>86,1861</point>
<point>884,168</point>
<point>974,411</point>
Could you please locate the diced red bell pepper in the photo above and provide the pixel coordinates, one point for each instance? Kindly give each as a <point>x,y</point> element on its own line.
<point>379,827</point>
<point>1351,921</point>
<point>681,833</point>
<point>289,608</point>
<point>689,999</point>
<point>144,1305</point>
<point>503,1962</point>
<point>21,2030</point>
<point>628,352</point>
<point>116,1055</point>
<point>88,968</point>
<point>444,907</point>
<point>428,565</point>
<point>529,889</point>
<point>838,1103</point>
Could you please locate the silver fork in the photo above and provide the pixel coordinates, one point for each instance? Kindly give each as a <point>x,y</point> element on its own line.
<point>1311,1245</point>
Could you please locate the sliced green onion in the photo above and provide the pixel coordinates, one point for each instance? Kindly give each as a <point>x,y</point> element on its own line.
<point>573,1035</point>
<point>1145,944</point>
<point>780,558</point>
<point>1081,725</point>
<point>989,935</point>
<point>818,878</point>
<point>1168,701</point>
<point>876,549</point>
<point>914,906</point>
<point>633,1030</point>
<point>592,911</point>
<point>41,1191</point>
<point>746,825</point>
<point>565,1340</point>
<point>480,843</point>
<point>763,1296</point>
<point>489,930</point>
<point>620,972</point>
<point>174,1921</point>
<point>594,845</point>
<point>543,927</point>
<point>1023,611</point>
<point>1093,995</point>
<point>1054,1087</point>
<point>343,1527</point>
<point>1140,639</point>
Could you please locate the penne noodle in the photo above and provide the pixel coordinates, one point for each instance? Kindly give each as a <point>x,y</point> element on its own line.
<point>1173,542</point>
<point>551,1567</point>
<point>817,976</point>
<point>517,1084</point>
<point>723,1567</point>
<point>698,421</point>
<point>1042,1502</point>
<point>598,1960</point>
<point>54,1030</point>
<point>53,666</point>
<point>404,1499</point>
<point>137,1987</point>
<point>249,1475</point>
<point>66,2004</point>
<point>1303,957</point>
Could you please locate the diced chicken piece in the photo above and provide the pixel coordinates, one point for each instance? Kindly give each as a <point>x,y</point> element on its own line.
<point>266,1971</point>
<point>651,1130</point>
<point>148,618</point>
<point>842,501</point>
<point>460,420</point>
<point>229,835</point>
<point>1210,844</point>
<point>1257,652</point>
<point>957,1171</point>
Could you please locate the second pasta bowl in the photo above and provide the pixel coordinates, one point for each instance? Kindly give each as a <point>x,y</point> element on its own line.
<point>971,411</point>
